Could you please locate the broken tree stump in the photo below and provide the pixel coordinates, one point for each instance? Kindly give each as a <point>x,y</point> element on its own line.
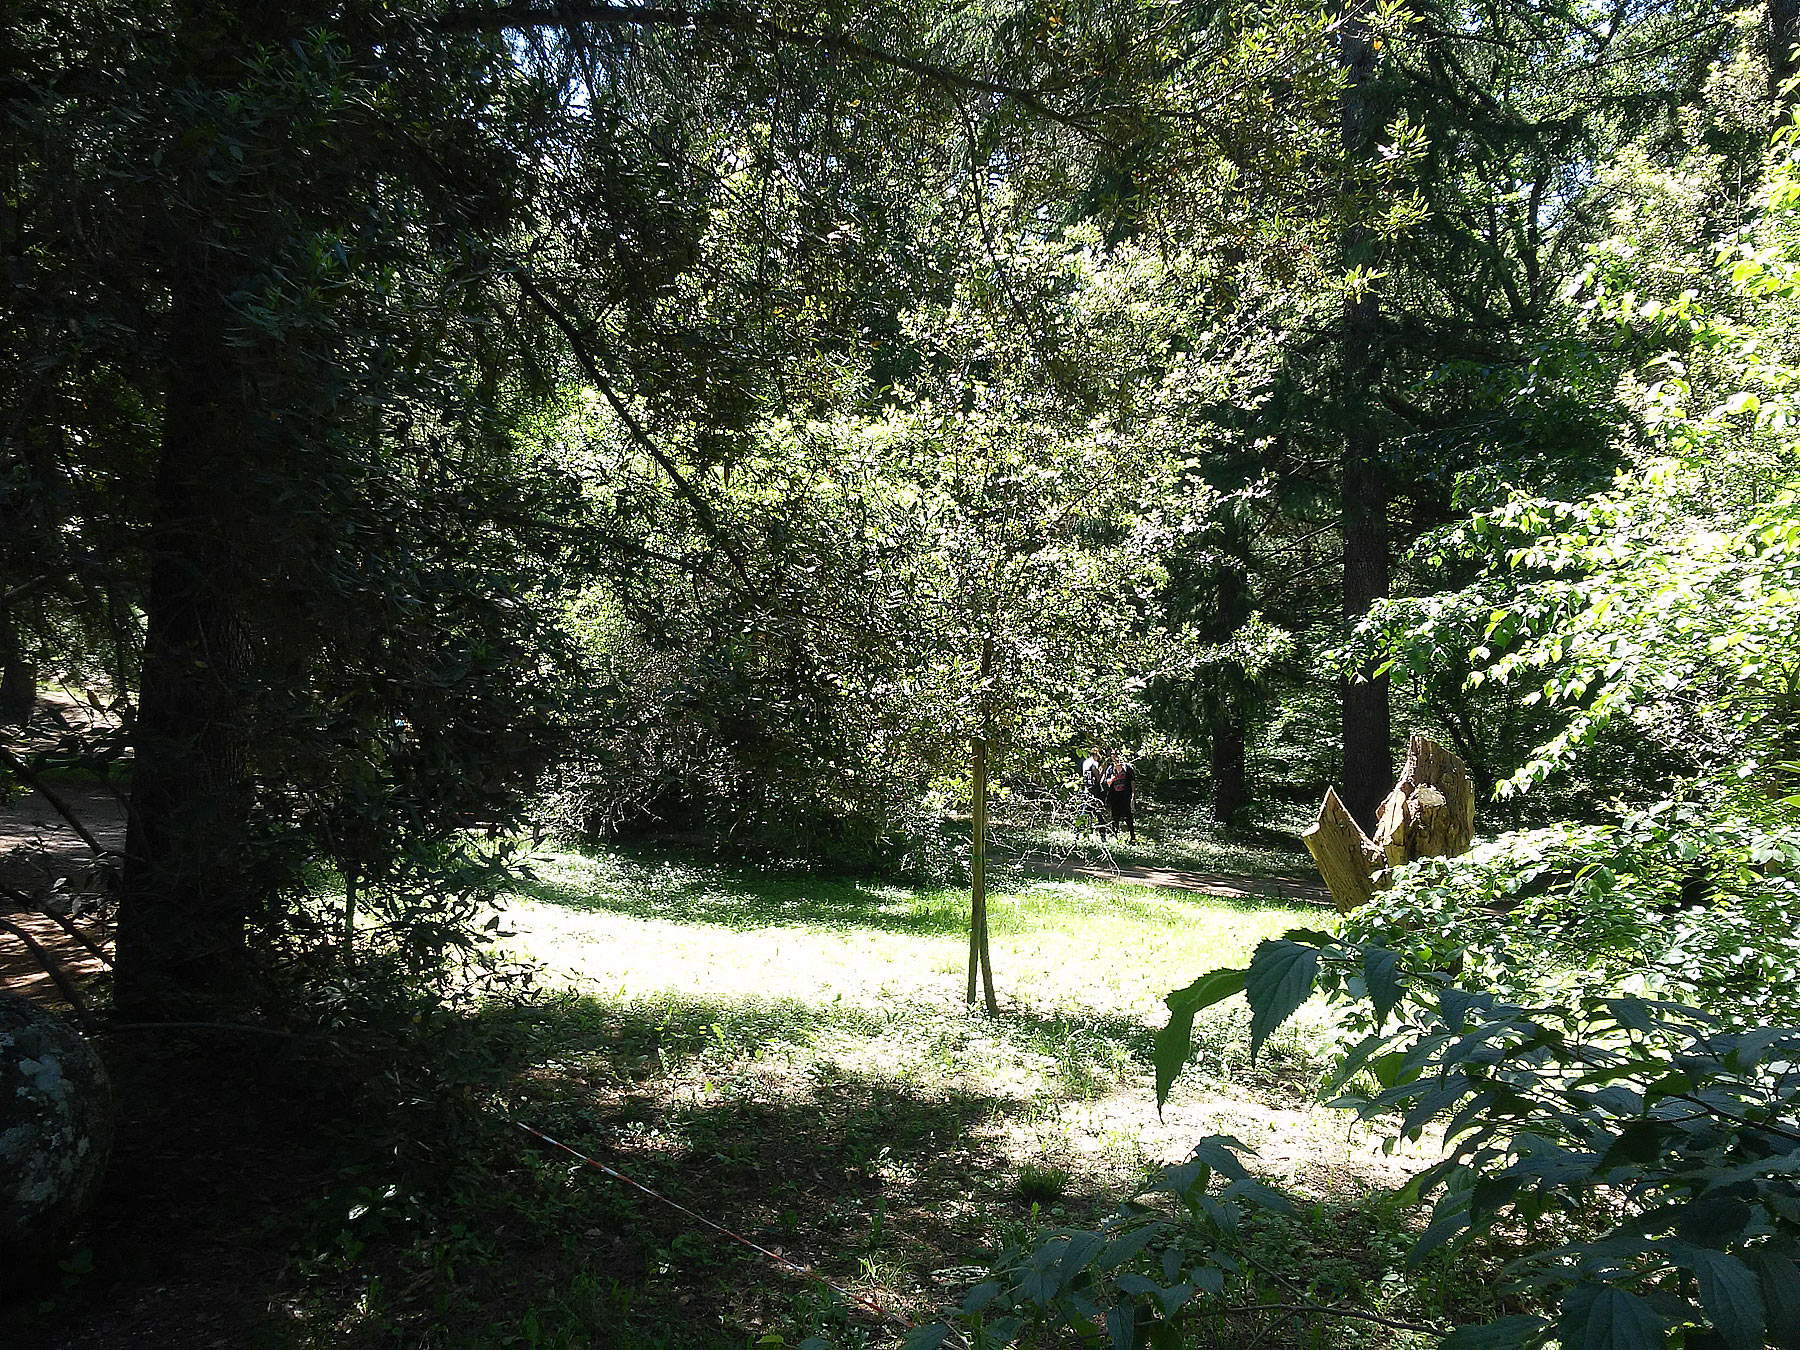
<point>1429,814</point>
<point>1346,857</point>
<point>1431,811</point>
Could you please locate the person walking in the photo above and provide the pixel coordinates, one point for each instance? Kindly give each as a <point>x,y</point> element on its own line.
<point>1121,784</point>
<point>1093,784</point>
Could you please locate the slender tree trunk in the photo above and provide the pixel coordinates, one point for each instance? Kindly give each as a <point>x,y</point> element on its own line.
<point>979,960</point>
<point>1366,730</point>
<point>186,886</point>
<point>1227,697</point>
<point>350,890</point>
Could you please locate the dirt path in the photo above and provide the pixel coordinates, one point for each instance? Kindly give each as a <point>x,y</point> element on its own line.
<point>38,848</point>
<point>1227,886</point>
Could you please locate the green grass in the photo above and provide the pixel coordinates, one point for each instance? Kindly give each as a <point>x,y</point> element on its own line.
<point>791,1055</point>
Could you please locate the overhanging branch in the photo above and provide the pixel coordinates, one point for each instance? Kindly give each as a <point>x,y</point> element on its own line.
<point>531,16</point>
<point>582,346</point>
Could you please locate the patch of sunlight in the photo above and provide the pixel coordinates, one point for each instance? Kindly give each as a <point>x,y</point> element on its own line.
<point>848,983</point>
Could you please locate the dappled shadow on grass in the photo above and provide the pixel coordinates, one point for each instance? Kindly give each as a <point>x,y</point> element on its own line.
<point>678,888</point>
<point>288,1198</point>
<point>886,1178</point>
<point>875,1179</point>
<point>1162,896</point>
<point>635,1039</point>
<point>668,886</point>
<point>1260,854</point>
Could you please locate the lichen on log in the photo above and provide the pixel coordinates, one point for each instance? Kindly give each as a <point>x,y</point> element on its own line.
<point>56,1126</point>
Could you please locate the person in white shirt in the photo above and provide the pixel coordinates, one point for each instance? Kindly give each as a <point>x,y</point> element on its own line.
<point>1093,783</point>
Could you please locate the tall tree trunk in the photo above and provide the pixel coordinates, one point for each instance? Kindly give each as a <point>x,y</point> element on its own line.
<point>1366,730</point>
<point>192,874</point>
<point>186,886</point>
<point>979,961</point>
<point>18,681</point>
<point>1782,36</point>
<point>1228,692</point>
<point>1229,735</point>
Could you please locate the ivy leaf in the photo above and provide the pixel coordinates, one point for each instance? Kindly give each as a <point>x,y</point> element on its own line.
<point>1175,1040</point>
<point>1601,1317</point>
<point>1279,980</point>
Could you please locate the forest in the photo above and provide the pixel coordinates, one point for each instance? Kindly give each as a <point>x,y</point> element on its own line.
<point>970,674</point>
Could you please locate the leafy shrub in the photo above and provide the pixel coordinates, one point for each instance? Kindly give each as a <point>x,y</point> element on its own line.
<point>1667,1135</point>
<point>1676,899</point>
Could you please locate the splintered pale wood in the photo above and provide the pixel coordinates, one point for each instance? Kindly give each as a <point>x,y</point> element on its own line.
<point>1431,811</point>
<point>1346,857</point>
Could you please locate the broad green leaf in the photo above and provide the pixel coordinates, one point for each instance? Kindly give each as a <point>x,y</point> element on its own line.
<point>1127,1245</point>
<point>1603,1317</point>
<point>1220,1152</point>
<point>980,1296</point>
<point>1121,1326</point>
<point>926,1338</point>
<point>1712,1221</point>
<point>1509,1333</point>
<point>1279,980</point>
<point>1728,1292</point>
<point>1170,1053</point>
<point>1779,1281</point>
<point>1381,976</point>
<point>1083,1248</point>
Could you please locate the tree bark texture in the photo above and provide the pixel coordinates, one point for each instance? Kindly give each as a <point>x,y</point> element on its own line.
<point>1346,857</point>
<point>193,871</point>
<point>1782,35</point>
<point>1229,737</point>
<point>1431,811</point>
<point>1367,733</point>
<point>18,681</point>
<point>186,884</point>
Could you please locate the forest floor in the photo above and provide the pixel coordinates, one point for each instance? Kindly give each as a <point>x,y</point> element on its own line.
<point>784,1054</point>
